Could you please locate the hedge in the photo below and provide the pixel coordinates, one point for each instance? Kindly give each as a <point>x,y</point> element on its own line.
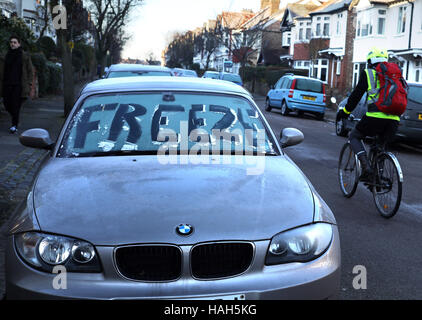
<point>49,74</point>
<point>268,75</point>
<point>55,77</point>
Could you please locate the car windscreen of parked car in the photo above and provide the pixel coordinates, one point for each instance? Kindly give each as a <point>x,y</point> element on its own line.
<point>232,77</point>
<point>308,85</point>
<point>160,122</point>
<point>120,74</point>
<point>415,94</point>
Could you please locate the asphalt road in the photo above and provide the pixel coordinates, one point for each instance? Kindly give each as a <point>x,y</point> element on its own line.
<point>388,249</point>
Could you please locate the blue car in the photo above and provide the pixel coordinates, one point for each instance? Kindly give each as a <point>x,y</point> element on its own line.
<point>297,93</point>
<point>232,77</point>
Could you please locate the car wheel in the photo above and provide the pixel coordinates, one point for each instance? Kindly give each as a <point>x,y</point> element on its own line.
<point>340,129</point>
<point>267,105</point>
<point>284,109</point>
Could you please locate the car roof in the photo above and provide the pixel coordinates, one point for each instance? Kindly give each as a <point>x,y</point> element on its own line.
<point>163,84</point>
<point>136,67</point>
<point>301,77</point>
<point>212,72</point>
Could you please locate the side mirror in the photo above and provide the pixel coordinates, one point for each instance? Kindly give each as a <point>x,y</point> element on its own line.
<point>333,100</point>
<point>290,137</point>
<point>36,138</point>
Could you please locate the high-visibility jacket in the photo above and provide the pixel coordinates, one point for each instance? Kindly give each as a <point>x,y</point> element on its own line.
<point>372,97</point>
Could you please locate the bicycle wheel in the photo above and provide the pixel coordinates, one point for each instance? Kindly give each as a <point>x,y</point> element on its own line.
<point>387,190</point>
<point>348,171</point>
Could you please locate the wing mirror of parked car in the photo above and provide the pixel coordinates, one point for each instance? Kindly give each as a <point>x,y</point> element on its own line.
<point>36,138</point>
<point>290,137</point>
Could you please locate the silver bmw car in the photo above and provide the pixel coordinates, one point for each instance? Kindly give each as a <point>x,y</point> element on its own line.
<point>170,188</point>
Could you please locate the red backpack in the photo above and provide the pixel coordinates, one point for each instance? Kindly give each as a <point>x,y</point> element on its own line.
<point>392,98</point>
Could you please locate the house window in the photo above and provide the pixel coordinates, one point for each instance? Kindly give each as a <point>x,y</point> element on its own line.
<point>339,18</point>
<point>338,67</point>
<point>326,31</point>
<point>287,38</point>
<point>308,31</point>
<point>381,21</point>
<point>301,64</point>
<point>401,24</point>
<point>417,75</point>
<point>320,69</point>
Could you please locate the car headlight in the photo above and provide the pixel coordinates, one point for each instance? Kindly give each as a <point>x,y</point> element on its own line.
<point>44,251</point>
<point>299,245</point>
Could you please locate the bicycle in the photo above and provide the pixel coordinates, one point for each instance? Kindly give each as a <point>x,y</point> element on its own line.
<point>386,184</point>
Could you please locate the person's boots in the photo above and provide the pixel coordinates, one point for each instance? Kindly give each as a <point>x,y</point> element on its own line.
<point>367,172</point>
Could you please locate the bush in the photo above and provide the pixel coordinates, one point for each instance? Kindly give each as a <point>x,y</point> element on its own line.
<point>40,64</point>
<point>47,46</point>
<point>55,77</point>
<point>15,26</point>
<point>268,75</point>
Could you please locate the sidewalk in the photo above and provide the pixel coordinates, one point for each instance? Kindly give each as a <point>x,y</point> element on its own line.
<point>19,164</point>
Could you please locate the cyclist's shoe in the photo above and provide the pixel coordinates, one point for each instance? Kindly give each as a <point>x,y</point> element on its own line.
<point>367,175</point>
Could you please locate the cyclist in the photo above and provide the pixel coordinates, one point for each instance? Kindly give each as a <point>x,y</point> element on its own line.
<point>374,122</point>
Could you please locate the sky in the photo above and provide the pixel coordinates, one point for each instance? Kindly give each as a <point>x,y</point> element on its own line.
<point>151,23</point>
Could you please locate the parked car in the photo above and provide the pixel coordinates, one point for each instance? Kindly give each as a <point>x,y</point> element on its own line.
<point>178,72</point>
<point>147,193</point>
<point>232,77</point>
<point>297,93</point>
<point>211,74</point>
<point>410,126</point>
<point>136,70</point>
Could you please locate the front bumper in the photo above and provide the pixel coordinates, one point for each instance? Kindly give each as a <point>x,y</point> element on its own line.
<point>318,279</point>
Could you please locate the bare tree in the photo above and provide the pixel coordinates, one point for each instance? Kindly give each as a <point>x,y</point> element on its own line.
<point>206,44</point>
<point>110,18</point>
<point>242,39</point>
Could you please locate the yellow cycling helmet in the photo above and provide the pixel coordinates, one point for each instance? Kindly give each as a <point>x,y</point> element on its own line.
<point>376,55</point>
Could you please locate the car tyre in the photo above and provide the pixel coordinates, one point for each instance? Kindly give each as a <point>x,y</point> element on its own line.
<point>340,129</point>
<point>284,109</point>
<point>267,105</point>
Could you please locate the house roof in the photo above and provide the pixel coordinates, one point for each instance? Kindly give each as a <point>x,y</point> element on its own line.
<point>332,6</point>
<point>234,20</point>
<point>299,9</point>
<point>385,2</point>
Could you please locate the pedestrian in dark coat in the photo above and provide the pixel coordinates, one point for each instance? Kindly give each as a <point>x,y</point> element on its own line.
<point>16,72</point>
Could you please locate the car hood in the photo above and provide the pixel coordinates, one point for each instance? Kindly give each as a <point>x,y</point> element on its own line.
<point>124,200</point>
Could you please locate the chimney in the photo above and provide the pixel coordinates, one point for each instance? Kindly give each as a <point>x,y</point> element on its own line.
<point>265,3</point>
<point>275,5</point>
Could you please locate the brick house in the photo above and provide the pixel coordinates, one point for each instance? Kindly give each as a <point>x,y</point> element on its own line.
<point>331,44</point>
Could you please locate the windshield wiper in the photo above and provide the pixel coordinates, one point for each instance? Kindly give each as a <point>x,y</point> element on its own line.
<point>117,153</point>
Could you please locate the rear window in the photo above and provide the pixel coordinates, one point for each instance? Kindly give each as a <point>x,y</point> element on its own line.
<point>119,74</point>
<point>232,77</point>
<point>415,94</point>
<point>308,85</point>
<point>211,75</point>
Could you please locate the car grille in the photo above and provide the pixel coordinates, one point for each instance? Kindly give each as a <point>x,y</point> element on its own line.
<point>149,263</point>
<point>220,260</point>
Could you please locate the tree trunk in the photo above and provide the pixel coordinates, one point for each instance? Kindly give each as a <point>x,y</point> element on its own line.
<point>68,81</point>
